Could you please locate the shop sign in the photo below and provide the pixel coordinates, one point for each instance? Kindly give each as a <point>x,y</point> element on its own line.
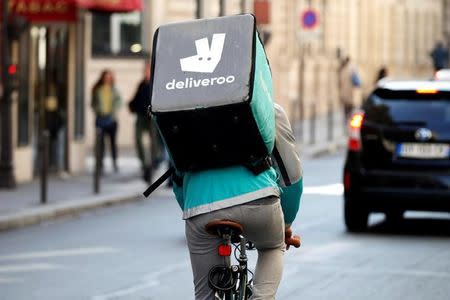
<point>43,10</point>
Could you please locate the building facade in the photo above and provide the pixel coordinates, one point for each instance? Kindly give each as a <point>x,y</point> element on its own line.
<point>65,60</point>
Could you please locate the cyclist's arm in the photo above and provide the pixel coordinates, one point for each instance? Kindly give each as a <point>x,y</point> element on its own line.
<point>287,164</point>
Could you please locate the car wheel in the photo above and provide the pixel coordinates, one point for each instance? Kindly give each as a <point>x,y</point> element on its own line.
<point>355,216</point>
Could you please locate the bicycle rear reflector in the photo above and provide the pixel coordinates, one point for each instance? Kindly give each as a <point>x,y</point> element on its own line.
<point>224,250</point>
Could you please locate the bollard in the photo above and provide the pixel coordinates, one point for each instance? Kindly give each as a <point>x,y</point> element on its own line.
<point>330,121</point>
<point>45,140</point>
<point>301,135</point>
<point>312,126</point>
<point>98,161</point>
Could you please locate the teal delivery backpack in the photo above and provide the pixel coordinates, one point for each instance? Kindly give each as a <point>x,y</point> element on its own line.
<point>212,94</point>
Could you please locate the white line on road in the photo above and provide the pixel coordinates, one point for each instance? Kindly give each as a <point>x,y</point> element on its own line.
<point>336,189</point>
<point>28,267</point>
<point>148,281</point>
<point>59,253</point>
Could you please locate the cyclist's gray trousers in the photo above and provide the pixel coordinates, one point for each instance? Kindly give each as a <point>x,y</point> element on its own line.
<point>263,224</point>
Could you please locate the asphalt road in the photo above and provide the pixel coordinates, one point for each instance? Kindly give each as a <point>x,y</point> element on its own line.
<point>138,251</point>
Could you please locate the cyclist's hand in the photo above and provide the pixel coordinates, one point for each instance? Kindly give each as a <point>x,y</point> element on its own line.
<point>291,240</point>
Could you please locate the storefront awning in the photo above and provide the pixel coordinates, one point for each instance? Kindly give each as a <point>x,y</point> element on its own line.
<point>66,10</point>
<point>111,5</point>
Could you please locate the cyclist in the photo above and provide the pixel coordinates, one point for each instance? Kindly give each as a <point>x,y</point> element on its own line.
<point>235,193</point>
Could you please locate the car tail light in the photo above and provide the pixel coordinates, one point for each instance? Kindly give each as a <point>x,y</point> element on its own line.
<point>426,91</point>
<point>354,134</point>
<point>224,250</point>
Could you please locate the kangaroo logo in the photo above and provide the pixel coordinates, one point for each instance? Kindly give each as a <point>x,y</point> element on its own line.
<point>207,58</point>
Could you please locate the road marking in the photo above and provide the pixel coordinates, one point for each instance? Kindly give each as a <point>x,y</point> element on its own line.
<point>59,253</point>
<point>148,281</point>
<point>336,189</point>
<point>28,267</point>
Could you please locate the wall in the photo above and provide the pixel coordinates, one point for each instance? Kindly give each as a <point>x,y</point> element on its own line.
<point>396,33</point>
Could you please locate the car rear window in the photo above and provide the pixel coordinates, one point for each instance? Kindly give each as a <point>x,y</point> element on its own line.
<point>408,108</point>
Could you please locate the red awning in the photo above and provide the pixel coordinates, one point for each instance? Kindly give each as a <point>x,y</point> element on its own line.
<point>111,5</point>
<point>66,10</point>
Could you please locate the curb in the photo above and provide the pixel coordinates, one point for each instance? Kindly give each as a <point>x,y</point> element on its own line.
<point>72,208</point>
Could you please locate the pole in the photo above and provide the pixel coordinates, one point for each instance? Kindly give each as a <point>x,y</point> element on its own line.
<point>45,141</point>
<point>199,11</point>
<point>222,8</point>
<point>301,94</point>
<point>6,162</point>
<point>243,6</point>
<point>98,161</point>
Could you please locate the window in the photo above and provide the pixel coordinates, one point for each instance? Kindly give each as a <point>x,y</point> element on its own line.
<point>117,34</point>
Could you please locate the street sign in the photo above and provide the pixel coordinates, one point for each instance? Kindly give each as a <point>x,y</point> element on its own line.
<point>309,19</point>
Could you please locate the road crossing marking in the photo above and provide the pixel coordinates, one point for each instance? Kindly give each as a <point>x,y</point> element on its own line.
<point>59,253</point>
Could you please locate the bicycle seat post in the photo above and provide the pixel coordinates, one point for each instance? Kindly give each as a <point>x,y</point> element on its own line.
<point>226,241</point>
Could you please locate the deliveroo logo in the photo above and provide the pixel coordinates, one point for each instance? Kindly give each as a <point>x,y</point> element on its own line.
<point>205,61</point>
<point>207,58</point>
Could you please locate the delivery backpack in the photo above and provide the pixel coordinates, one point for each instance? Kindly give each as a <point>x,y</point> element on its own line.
<point>211,94</point>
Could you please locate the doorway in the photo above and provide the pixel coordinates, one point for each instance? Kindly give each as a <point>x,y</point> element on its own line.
<point>49,63</point>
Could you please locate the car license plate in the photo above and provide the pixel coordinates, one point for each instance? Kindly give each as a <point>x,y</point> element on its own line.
<point>425,151</point>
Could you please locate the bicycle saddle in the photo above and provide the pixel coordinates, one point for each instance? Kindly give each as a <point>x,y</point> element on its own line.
<point>220,227</point>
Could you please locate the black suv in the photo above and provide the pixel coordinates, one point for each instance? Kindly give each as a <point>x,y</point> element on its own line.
<point>398,155</point>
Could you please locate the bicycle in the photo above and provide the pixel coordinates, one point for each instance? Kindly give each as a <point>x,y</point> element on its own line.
<point>231,282</point>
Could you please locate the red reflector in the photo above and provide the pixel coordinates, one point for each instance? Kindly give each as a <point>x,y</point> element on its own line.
<point>12,69</point>
<point>347,180</point>
<point>354,144</point>
<point>224,250</point>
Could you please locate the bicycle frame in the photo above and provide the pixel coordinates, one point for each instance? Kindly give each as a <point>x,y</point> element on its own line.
<point>241,288</point>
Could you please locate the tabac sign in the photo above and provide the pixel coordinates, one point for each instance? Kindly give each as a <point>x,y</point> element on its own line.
<point>43,10</point>
<point>66,10</point>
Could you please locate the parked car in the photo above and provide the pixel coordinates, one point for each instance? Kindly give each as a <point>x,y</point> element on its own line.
<point>398,155</point>
<point>442,75</point>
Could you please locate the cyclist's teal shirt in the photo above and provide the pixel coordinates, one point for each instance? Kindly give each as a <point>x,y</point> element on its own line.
<point>210,190</point>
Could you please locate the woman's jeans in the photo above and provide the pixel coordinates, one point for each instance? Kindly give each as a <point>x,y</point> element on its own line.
<point>110,132</point>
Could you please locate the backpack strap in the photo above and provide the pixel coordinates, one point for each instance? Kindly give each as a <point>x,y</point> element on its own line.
<point>260,166</point>
<point>281,166</point>
<point>158,182</point>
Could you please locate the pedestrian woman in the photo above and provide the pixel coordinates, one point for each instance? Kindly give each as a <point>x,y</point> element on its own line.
<point>105,103</point>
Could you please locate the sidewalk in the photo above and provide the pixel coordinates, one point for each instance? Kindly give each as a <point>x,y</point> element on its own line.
<point>322,135</point>
<point>72,195</point>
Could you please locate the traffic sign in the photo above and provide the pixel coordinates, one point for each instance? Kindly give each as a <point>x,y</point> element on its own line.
<point>309,19</point>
